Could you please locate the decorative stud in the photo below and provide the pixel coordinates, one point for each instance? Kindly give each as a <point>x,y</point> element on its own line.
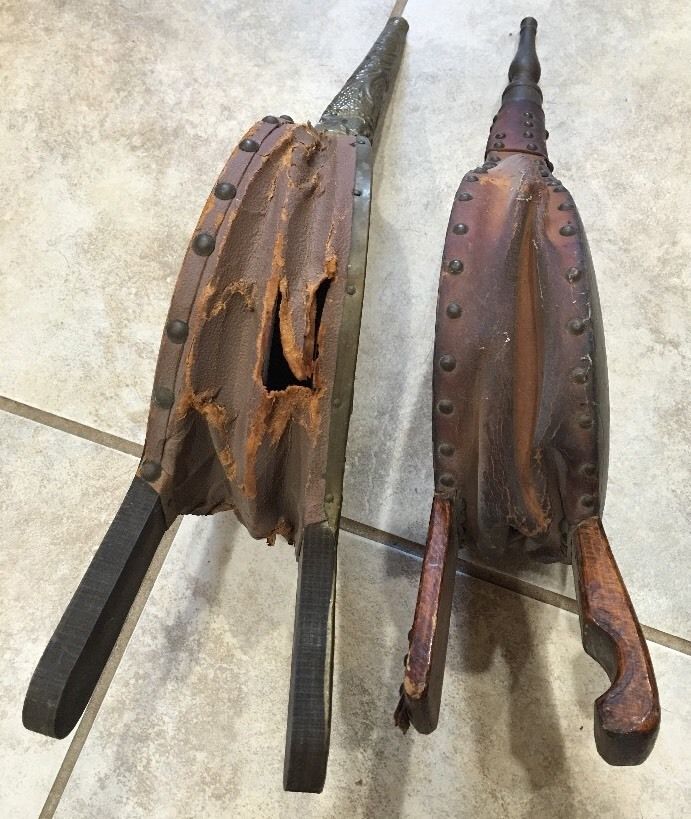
<point>588,470</point>
<point>270,120</point>
<point>224,190</point>
<point>585,421</point>
<point>447,480</point>
<point>566,206</point>
<point>528,114</point>
<point>150,470</point>
<point>337,402</point>
<point>361,141</point>
<point>528,134</point>
<point>329,498</point>
<point>249,145</point>
<point>573,274</point>
<point>481,169</point>
<point>447,363</point>
<point>455,266</point>
<point>464,197</point>
<point>531,146</point>
<point>546,134</point>
<point>544,172</point>
<point>446,450</point>
<point>350,289</point>
<point>177,330</point>
<point>588,501</point>
<point>579,375</point>
<point>164,397</point>
<point>559,189</point>
<point>567,230</point>
<point>498,146</point>
<point>460,229</point>
<point>454,310</point>
<point>500,135</point>
<point>445,406</point>
<point>471,177</point>
<point>576,326</point>
<point>357,192</point>
<point>204,244</point>
<point>287,118</point>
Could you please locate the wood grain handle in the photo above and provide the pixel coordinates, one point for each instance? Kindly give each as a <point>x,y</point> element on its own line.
<point>68,671</point>
<point>311,677</point>
<point>627,715</point>
<point>424,665</point>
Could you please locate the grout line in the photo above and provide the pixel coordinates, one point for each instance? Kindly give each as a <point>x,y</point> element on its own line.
<point>485,573</point>
<point>401,544</point>
<point>504,581</point>
<point>96,436</point>
<point>91,711</point>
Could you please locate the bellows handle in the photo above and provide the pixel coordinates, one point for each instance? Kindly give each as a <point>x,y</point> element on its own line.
<point>627,715</point>
<point>428,639</point>
<point>69,669</point>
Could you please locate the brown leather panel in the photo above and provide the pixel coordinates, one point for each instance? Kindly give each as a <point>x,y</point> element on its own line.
<point>519,126</point>
<point>248,427</point>
<point>520,384</point>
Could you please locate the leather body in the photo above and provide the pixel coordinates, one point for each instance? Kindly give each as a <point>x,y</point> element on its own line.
<point>245,423</point>
<point>520,379</point>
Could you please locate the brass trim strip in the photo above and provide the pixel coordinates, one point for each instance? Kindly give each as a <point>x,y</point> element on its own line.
<point>349,334</point>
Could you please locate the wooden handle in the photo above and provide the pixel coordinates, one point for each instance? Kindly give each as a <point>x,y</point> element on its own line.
<point>311,677</point>
<point>69,669</point>
<point>424,665</point>
<point>627,715</point>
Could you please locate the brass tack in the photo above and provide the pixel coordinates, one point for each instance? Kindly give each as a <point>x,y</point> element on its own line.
<point>150,470</point>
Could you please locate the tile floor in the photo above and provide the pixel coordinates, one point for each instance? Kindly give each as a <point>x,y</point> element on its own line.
<point>111,135</point>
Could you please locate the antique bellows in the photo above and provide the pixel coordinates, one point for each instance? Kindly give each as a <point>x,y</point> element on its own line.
<point>252,396</point>
<point>520,416</point>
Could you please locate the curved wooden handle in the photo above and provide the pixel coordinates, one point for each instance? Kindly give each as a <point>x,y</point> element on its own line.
<point>424,665</point>
<point>627,715</point>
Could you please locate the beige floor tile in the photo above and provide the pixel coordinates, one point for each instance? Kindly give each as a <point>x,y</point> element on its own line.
<point>194,722</point>
<point>57,496</point>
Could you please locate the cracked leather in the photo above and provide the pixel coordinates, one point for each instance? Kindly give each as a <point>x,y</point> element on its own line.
<point>520,379</point>
<point>250,384</point>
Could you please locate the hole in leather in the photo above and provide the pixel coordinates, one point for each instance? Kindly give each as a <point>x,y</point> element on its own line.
<point>277,374</point>
<point>320,298</point>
